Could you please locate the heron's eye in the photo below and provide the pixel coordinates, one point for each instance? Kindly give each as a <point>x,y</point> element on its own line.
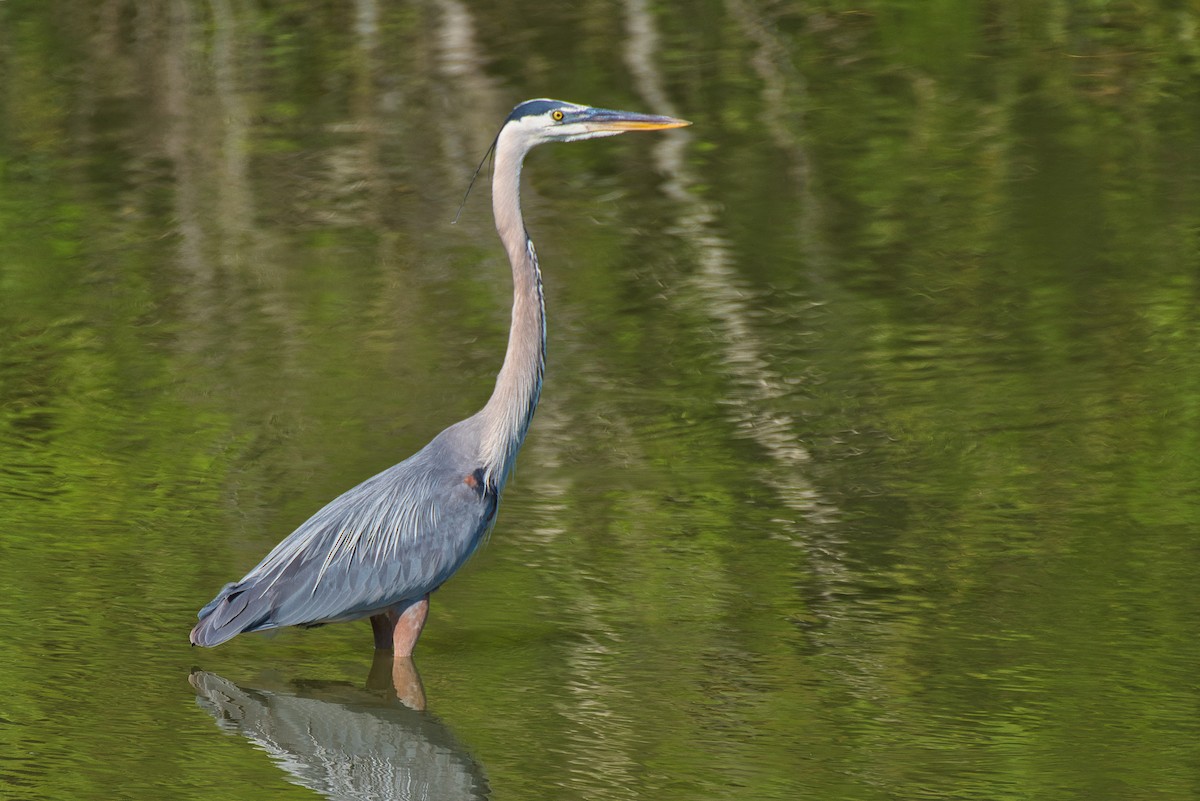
<point>557,115</point>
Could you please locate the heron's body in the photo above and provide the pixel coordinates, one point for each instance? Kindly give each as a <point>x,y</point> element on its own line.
<point>354,559</point>
<point>381,548</point>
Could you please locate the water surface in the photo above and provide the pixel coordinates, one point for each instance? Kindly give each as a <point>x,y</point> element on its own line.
<point>867,459</point>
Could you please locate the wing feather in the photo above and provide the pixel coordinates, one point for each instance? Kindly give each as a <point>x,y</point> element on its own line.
<point>391,539</point>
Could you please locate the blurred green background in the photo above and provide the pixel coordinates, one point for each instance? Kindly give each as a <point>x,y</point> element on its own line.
<point>868,455</point>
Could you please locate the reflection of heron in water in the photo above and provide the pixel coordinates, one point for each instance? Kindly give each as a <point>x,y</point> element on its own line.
<point>380,549</point>
<point>346,743</point>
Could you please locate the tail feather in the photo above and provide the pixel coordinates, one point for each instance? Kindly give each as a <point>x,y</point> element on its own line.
<point>211,605</point>
<point>237,608</point>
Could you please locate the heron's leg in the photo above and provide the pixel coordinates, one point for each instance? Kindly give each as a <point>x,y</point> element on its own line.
<point>406,627</point>
<point>381,626</point>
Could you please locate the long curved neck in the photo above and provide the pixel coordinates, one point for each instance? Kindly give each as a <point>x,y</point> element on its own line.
<point>509,411</point>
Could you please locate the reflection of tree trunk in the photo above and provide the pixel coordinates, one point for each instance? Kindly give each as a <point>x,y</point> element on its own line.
<point>785,91</point>
<point>368,114</point>
<point>477,106</point>
<point>352,187</point>
<point>234,209</point>
<point>243,253</point>
<point>180,141</point>
<point>785,96</point>
<point>717,285</point>
<point>185,148</point>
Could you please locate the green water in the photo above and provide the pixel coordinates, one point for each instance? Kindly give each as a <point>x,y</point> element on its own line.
<point>868,455</point>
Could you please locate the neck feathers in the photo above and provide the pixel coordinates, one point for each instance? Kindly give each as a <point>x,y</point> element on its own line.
<point>508,413</point>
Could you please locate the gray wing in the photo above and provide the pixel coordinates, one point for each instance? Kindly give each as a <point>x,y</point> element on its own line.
<point>391,539</point>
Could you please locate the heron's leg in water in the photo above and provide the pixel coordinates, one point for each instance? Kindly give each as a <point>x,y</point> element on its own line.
<point>407,627</point>
<point>398,631</point>
<point>381,626</point>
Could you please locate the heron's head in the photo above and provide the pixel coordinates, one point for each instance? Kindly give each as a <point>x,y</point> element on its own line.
<point>538,121</point>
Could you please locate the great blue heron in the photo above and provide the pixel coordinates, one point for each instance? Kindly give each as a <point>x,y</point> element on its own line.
<point>381,548</point>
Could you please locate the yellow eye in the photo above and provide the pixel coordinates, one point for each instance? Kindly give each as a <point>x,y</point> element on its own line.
<point>557,115</point>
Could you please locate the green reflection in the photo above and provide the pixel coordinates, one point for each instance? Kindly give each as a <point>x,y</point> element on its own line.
<point>867,459</point>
